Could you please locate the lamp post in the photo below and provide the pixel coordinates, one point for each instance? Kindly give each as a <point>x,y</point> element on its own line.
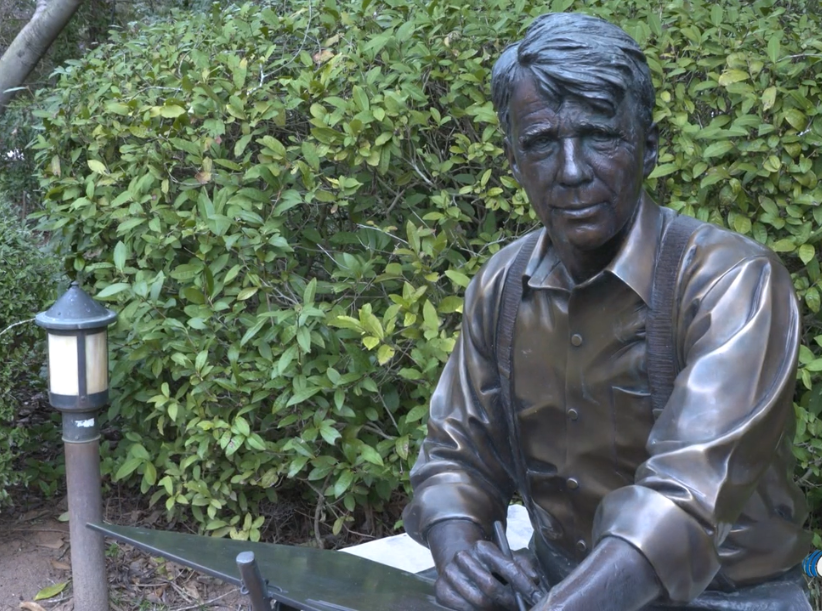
<point>78,388</point>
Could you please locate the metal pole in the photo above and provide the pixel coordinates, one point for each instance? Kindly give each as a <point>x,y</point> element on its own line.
<point>253,583</point>
<point>88,562</point>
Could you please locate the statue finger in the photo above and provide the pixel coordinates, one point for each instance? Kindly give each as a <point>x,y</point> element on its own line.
<point>516,572</point>
<point>447,596</point>
<point>528,563</point>
<point>476,583</point>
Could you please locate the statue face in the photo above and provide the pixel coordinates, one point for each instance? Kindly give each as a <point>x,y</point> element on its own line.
<point>581,164</point>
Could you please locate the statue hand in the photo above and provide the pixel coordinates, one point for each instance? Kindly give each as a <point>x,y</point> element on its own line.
<point>482,578</point>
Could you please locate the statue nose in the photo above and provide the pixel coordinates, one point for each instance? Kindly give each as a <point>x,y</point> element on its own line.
<point>574,169</point>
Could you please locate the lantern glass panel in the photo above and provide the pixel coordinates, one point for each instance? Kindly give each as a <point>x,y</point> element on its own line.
<point>96,363</point>
<point>64,378</point>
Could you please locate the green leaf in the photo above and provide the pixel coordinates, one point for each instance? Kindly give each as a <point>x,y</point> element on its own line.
<point>172,112</point>
<point>371,455</point>
<point>768,98</point>
<point>796,118</point>
<point>97,166</point>
<point>304,339</point>
<point>742,224</point>
<point>417,413</point>
<point>774,48</point>
<point>310,292</point>
<point>150,474</point>
<point>384,354</point>
<point>429,316</point>
<point>343,482</point>
<point>784,245</point>
<point>127,468</point>
<point>732,76</point>
<point>717,149</point>
<point>138,450</point>
<point>113,289</point>
<point>806,253</point>
<point>458,278</point>
<point>329,433</point>
<point>255,442</point>
<point>120,254</point>
<point>247,293</point>
<point>360,97</point>
<point>200,361</point>
<point>242,427</point>
<point>664,170</point>
<point>812,299</point>
<point>410,374</point>
<point>303,395</point>
<point>130,224</point>
<point>51,591</point>
<point>118,108</point>
<point>450,304</point>
<point>249,335</point>
<point>286,358</point>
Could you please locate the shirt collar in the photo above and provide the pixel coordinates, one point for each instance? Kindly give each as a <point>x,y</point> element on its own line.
<point>633,264</point>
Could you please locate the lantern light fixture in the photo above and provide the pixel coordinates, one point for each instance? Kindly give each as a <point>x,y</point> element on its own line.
<point>77,351</point>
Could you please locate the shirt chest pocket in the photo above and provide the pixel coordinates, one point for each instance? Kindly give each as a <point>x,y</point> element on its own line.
<point>632,419</point>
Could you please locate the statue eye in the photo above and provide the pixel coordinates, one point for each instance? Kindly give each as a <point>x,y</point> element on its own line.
<point>602,137</point>
<point>540,141</point>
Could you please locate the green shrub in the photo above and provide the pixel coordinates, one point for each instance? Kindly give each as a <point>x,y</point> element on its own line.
<point>286,202</point>
<point>26,287</point>
<point>18,170</point>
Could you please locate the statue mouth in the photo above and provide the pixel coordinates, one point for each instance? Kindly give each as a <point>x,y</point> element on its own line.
<point>580,210</point>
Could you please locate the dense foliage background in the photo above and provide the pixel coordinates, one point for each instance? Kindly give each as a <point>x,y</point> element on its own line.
<point>285,202</point>
<point>27,281</point>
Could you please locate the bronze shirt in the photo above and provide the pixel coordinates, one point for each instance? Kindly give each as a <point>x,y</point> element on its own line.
<point>703,488</point>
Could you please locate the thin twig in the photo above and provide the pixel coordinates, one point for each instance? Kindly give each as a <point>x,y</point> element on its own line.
<point>263,76</point>
<point>200,605</point>
<point>17,324</point>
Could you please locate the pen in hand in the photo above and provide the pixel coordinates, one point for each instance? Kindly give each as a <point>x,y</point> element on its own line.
<point>502,544</point>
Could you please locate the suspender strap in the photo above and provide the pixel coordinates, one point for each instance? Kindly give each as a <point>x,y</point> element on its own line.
<point>504,342</point>
<point>662,358</point>
<point>511,298</point>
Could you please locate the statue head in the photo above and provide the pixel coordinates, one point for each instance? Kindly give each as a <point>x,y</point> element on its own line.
<point>575,55</point>
<point>575,100</point>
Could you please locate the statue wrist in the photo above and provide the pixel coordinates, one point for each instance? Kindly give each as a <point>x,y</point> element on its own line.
<point>448,537</point>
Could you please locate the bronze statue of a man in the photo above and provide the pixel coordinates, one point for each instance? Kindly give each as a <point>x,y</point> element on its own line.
<point>643,494</point>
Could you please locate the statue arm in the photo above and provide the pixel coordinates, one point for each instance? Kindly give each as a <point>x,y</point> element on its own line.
<point>738,336</point>
<point>615,576</point>
<point>464,470</point>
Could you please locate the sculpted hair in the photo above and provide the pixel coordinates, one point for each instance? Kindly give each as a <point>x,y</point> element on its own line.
<point>569,54</point>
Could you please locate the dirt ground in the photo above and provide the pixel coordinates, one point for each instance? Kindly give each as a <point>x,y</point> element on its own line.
<point>35,554</point>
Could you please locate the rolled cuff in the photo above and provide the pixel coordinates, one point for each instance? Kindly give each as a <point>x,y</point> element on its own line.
<point>680,550</point>
<point>451,499</point>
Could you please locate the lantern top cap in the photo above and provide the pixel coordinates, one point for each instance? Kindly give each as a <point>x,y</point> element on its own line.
<point>75,311</point>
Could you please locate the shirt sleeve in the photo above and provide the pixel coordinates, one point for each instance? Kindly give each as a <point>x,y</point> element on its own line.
<point>464,469</point>
<point>737,337</point>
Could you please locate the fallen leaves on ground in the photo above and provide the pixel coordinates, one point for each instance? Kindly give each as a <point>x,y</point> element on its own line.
<point>51,591</point>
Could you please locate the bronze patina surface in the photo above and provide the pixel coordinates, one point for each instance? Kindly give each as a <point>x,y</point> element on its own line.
<point>691,502</point>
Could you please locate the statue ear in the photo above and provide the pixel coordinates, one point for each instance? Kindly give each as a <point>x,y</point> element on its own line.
<point>651,150</point>
<point>512,160</point>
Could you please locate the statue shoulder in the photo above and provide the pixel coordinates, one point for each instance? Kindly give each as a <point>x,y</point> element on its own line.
<point>489,280</point>
<point>483,298</point>
<point>723,249</point>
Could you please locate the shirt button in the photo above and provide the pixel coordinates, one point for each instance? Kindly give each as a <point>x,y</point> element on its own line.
<point>582,547</point>
<point>576,339</point>
<point>573,484</point>
<point>573,414</point>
